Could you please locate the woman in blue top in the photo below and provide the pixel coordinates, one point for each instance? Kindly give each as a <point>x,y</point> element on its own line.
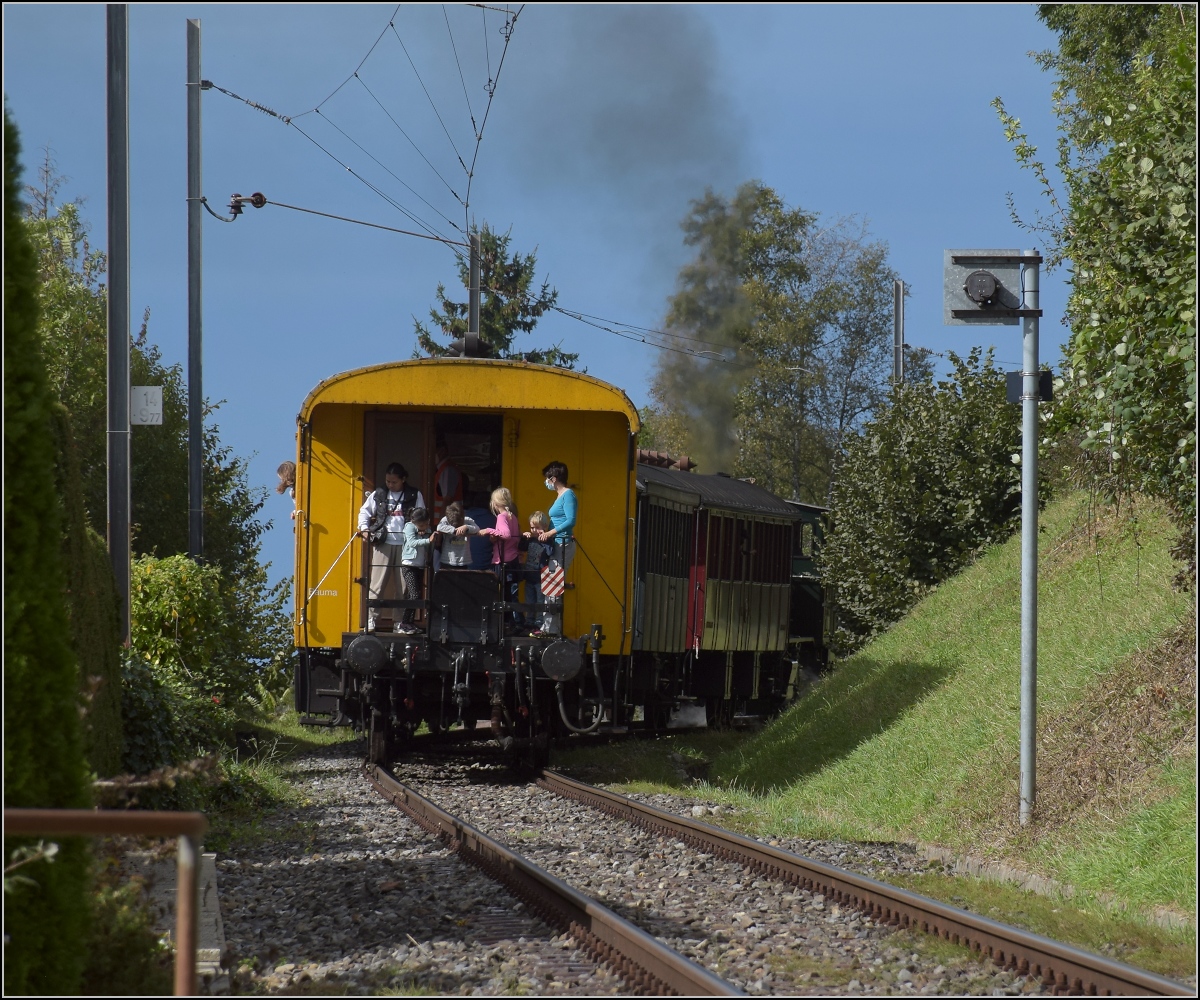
<point>563,514</point>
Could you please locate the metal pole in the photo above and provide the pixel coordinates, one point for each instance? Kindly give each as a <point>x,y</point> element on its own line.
<point>187,916</point>
<point>195,354</point>
<point>898,344</point>
<point>118,305</point>
<point>1029,541</point>
<point>473,316</point>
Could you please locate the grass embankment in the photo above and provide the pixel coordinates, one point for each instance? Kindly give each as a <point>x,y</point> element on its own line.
<point>916,738</point>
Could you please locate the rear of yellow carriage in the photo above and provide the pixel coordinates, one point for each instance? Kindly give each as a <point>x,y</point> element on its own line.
<point>498,423</point>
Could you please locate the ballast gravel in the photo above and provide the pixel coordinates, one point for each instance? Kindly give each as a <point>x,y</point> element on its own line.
<point>347,896</point>
<point>765,937</point>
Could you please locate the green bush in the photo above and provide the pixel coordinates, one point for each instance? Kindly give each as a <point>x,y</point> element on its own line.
<point>164,724</point>
<point>149,708</point>
<point>203,633</point>
<point>1125,100</point>
<point>125,956</point>
<point>45,918</point>
<point>931,482</point>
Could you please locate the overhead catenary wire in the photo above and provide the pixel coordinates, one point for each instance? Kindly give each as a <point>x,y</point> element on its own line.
<point>436,113</point>
<point>360,222</point>
<point>392,119</point>
<point>382,194</point>
<point>384,166</point>
<point>458,63</point>
<point>478,127</point>
<point>486,52</point>
<point>657,332</point>
<point>361,62</point>
<point>510,25</point>
<point>291,120</point>
<point>642,339</point>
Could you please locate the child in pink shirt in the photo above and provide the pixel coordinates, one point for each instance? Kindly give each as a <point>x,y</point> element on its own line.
<point>506,538</point>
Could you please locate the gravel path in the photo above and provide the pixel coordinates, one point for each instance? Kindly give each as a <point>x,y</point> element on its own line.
<point>765,936</point>
<point>347,896</point>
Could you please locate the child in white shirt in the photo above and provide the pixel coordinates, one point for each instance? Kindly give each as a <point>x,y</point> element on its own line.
<point>454,527</point>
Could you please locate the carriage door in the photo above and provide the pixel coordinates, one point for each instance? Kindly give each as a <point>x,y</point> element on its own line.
<point>395,437</point>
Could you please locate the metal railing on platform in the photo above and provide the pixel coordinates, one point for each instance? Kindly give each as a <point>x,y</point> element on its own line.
<point>188,827</point>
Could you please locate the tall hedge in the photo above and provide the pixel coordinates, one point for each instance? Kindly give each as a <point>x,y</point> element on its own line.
<point>93,610</point>
<point>43,752</point>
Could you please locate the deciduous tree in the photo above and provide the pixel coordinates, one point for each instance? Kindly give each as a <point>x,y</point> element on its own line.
<point>781,338</point>
<point>74,303</point>
<point>1125,98</point>
<point>931,481</point>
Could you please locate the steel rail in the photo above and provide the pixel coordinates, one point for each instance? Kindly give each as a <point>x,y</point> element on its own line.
<point>646,964</point>
<point>1061,967</point>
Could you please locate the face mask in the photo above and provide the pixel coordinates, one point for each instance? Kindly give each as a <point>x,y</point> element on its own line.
<point>549,484</point>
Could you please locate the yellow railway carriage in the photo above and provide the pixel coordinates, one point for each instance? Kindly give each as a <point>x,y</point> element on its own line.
<point>501,422</point>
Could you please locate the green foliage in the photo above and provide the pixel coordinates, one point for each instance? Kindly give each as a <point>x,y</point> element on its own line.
<point>661,430</point>
<point>694,396</point>
<point>1126,103</point>
<point>822,341</point>
<point>929,484</point>
<point>191,624</point>
<point>28,854</point>
<point>125,957</point>
<point>74,305</point>
<point>43,757</point>
<point>93,611</point>
<point>150,708</point>
<point>508,305</point>
<point>176,614</point>
<point>781,341</point>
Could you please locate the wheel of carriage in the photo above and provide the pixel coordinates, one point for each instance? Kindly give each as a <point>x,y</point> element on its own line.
<point>537,754</point>
<point>378,748</point>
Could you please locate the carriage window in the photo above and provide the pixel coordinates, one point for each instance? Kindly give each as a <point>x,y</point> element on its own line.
<point>804,539</point>
<point>740,538</point>
<point>666,541</point>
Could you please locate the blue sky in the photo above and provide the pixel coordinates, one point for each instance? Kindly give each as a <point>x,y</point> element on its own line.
<point>606,121</point>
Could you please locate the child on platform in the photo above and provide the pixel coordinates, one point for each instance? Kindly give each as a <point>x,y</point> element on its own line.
<point>455,526</point>
<point>536,556</point>
<point>412,562</point>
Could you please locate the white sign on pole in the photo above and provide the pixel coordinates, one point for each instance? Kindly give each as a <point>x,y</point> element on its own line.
<point>145,404</point>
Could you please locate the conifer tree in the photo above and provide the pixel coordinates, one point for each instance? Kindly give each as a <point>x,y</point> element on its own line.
<point>510,303</point>
<point>45,916</point>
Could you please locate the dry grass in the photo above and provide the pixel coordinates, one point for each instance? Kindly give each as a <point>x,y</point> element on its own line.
<point>1103,753</point>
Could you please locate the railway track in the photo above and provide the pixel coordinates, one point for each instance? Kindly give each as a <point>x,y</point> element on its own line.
<point>338,893</point>
<point>1061,968</point>
<point>807,895</point>
<point>648,966</point>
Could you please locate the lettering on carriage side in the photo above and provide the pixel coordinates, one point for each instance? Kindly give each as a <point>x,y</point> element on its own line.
<point>324,593</point>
